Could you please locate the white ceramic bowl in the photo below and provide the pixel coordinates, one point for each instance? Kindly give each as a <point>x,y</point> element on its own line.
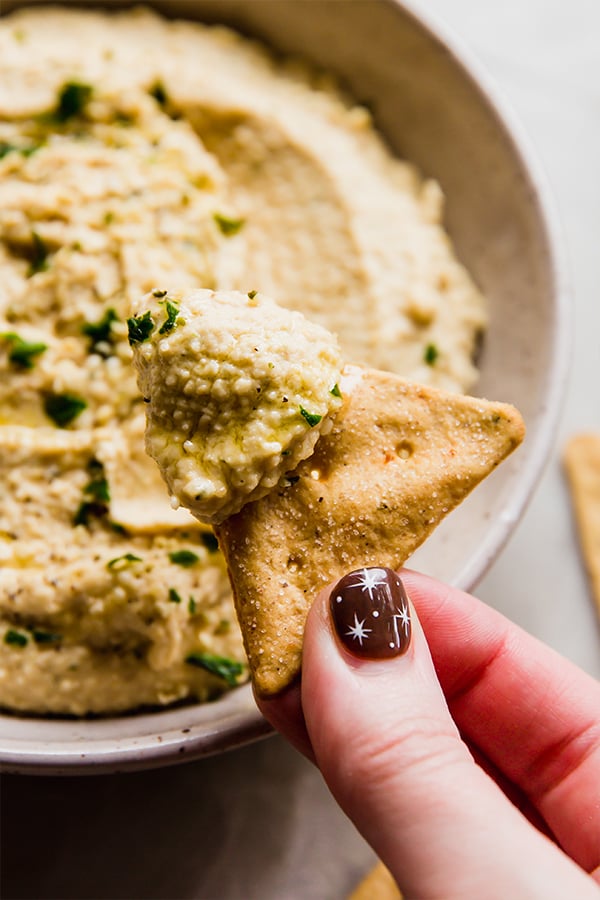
<point>437,109</point>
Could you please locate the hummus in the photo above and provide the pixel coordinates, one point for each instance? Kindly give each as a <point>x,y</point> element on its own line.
<point>238,391</point>
<point>136,155</point>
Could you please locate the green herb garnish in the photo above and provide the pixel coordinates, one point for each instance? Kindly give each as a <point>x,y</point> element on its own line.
<point>16,638</point>
<point>117,528</point>
<point>39,255</point>
<point>89,510</point>
<point>45,637</point>
<point>227,225</point>
<point>6,148</point>
<point>174,597</point>
<point>22,353</point>
<point>72,100</point>
<point>210,541</point>
<point>227,669</point>
<point>139,328</point>
<point>431,354</point>
<point>171,320</point>
<point>159,93</point>
<point>122,561</point>
<point>192,606</point>
<point>63,408</point>
<point>97,496</point>
<point>97,487</point>
<point>158,293</point>
<point>185,558</point>
<point>252,294</point>
<point>312,418</point>
<point>100,332</point>
<point>335,390</point>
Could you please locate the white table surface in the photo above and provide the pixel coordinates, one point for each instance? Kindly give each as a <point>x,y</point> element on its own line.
<point>276,834</point>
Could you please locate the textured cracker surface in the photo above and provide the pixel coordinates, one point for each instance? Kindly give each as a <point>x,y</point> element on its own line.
<point>400,456</point>
<point>582,464</point>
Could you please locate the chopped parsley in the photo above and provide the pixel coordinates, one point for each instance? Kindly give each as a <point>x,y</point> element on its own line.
<point>227,225</point>
<point>100,332</point>
<point>192,606</point>
<point>185,558</point>
<point>227,669</point>
<point>139,328</point>
<point>45,637</point>
<point>97,487</point>
<point>252,294</point>
<point>171,320</point>
<point>96,495</point>
<point>72,99</point>
<point>174,596</point>
<point>63,408</point>
<point>15,638</point>
<point>89,510</point>
<point>22,353</point>
<point>335,390</point>
<point>120,562</point>
<point>117,528</point>
<point>159,93</point>
<point>6,148</point>
<point>39,255</point>
<point>159,294</point>
<point>210,541</point>
<point>431,354</point>
<point>312,418</point>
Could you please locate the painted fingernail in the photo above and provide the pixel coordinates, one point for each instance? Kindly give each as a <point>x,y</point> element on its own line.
<point>370,612</point>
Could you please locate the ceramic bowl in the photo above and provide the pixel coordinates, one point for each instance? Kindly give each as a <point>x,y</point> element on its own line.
<point>438,109</point>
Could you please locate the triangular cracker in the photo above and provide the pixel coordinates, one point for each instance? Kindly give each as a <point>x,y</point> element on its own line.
<point>582,464</point>
<point>400,456</point>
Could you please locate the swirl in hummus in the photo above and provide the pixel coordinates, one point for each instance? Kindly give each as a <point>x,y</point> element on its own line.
<point>138,154</point>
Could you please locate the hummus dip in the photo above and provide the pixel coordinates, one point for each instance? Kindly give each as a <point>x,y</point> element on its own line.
<point>140,155</point>
<point>238,391</point>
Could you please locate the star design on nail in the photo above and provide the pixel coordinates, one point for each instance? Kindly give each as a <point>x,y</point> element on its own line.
<point>368,579</point>
<point>404,618</point>
<point>358,630</point>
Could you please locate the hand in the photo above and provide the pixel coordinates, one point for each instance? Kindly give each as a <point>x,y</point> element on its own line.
<point>470,762</point>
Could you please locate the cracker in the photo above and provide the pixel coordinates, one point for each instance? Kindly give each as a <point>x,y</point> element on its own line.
<point>399,457</point>
<point>378,884</point>
<point>582,465</point>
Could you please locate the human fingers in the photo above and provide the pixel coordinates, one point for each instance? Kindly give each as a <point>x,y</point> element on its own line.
<point>284,712</point>
<point>535,715</point>
<point>383,738</point>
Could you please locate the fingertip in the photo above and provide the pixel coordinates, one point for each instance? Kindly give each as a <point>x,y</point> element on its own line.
<point>284,712</point>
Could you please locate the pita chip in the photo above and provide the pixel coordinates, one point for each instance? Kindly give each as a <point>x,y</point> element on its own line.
<point>378,884</point>
<point>582,465</point>
<point>400,456</point>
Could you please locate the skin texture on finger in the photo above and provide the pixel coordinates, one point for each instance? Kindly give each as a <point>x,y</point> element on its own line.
<point>531,712</point>
<point>284,712</point>
<point>392,757</point>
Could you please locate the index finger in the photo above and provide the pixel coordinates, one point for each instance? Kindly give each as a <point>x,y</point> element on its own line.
<point>534,714</point>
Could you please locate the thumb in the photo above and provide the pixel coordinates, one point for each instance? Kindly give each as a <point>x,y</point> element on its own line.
<point>382,735</point>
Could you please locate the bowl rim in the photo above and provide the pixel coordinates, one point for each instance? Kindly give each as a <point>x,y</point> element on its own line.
<point>239,721</point>
<point>509,123</point>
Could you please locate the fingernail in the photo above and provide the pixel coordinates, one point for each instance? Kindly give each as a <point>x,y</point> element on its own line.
<point>370,612</point>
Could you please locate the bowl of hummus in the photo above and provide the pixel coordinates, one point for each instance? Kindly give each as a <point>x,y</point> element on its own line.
<point>353,165</point>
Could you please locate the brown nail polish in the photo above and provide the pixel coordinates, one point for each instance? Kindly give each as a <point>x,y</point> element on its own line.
<point>370,612</point>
